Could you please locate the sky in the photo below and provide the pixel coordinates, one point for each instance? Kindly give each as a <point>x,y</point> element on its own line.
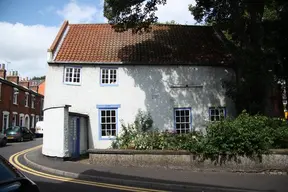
<point>28,27</point>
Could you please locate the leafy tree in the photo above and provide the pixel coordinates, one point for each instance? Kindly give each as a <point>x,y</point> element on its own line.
<point>256,31</point>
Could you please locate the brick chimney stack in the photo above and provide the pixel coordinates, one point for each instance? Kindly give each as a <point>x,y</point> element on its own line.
<point>24,82</point>
<point>2,71</point>
<point>34,86</point>
<point>13,77</point>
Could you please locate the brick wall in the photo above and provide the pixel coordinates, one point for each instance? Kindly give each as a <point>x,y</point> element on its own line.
<point>6,103</point>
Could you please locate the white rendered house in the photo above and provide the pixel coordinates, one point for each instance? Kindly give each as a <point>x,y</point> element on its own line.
<point>97,77</point>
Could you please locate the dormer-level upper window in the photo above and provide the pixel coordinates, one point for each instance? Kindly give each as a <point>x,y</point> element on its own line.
<point>109,76</point>
<point>72,75</point>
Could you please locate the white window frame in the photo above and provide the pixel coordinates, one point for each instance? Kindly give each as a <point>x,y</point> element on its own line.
<point>70,80</point>
<point>213,116</point>
<point>26,99</point>
<point>14,122</point>
<point>32,120</point>
<point>37,118</point>
<point>15,96</point>
<point>180,120</point>
<point>5,113</point>
<point>21,115</point>
<point>33,101</point>
<point>109,70</point>
<point>103,121</point>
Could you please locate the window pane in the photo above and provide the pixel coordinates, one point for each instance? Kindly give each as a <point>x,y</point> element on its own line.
<point>113,120</point>
<point>177,113</point>
<point>187,112</point>
<point>177,126</point>
<point>113,126</point>
<point>217,111</point>
<point>103,132</point>
<point>212,118</point>
<point>182,119</point>
<point>217,118</point>
<point>103,120</point>
<point>113,132</point>
<point>177,119</point>
<point>108,119</point>
<point>212,112</point>
<point>108,113</point>
<point>182,113</point>
<point>109,132</point>
<point>113,113</point>
<point>187,119</point>
<point>102,113</point>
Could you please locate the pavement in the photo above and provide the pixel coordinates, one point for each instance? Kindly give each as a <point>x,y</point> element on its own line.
<point>54,175</point>
<point>164,179</point>
<point>46,184</point>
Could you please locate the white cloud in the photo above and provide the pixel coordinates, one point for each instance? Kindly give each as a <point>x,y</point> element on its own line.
<point>26,47</point>
<point>82,13</point>
<point>177,11</point>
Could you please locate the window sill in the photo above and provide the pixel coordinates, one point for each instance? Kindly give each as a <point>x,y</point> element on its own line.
<point>109,85</point>
<point>108,138</point>
<point>15,103</point>
<point>75,84</point>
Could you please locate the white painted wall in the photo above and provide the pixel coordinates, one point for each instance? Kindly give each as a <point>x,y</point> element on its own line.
<point>137,86</point>
<point>53,133</point>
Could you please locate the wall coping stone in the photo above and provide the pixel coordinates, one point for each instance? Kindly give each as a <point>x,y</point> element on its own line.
<point>165,152</point>
<point>134,151</point>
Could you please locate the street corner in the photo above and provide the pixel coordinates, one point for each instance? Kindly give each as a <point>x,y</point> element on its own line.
<point>31,168</point>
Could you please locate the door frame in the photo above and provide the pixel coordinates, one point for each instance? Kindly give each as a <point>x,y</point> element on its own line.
<point>77,148</point>
<point>7,114</point>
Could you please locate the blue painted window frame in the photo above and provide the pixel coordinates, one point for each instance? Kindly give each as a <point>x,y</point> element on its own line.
<point>103,108</point>
<point>222,107</point>
<point>190,115</point>
<point>108,84</point>
<point>64,75</point>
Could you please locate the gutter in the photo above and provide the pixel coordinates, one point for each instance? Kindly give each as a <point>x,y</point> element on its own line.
<point>140,63</point>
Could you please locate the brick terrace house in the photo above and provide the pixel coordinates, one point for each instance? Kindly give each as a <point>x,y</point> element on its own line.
<point>20,104</point>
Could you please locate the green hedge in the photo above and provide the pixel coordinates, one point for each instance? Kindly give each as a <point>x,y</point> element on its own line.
<point>246,135</point>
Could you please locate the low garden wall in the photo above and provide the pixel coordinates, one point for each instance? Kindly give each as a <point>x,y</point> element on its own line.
<point>276,161</point>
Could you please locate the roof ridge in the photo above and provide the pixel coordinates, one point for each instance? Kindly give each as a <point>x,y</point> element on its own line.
<point>58,36</point>
<point>154,24</point>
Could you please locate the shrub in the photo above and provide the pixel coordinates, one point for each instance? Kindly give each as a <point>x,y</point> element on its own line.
<point>245,135</point>
<point>131,133</point>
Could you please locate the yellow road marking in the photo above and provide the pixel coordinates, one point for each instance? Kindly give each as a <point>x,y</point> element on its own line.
<point>15,162</point>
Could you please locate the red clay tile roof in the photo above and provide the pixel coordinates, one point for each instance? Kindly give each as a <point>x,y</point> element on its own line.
<point>165,44</point>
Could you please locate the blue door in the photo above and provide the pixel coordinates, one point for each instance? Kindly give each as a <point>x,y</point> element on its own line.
<point>74,136</point>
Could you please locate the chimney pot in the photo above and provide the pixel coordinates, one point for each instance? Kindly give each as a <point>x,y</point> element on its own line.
<point>13,77</point>
<point>2,71</point>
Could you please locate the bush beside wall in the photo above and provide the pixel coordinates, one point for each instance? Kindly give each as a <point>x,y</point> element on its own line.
<point>246,135</point>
